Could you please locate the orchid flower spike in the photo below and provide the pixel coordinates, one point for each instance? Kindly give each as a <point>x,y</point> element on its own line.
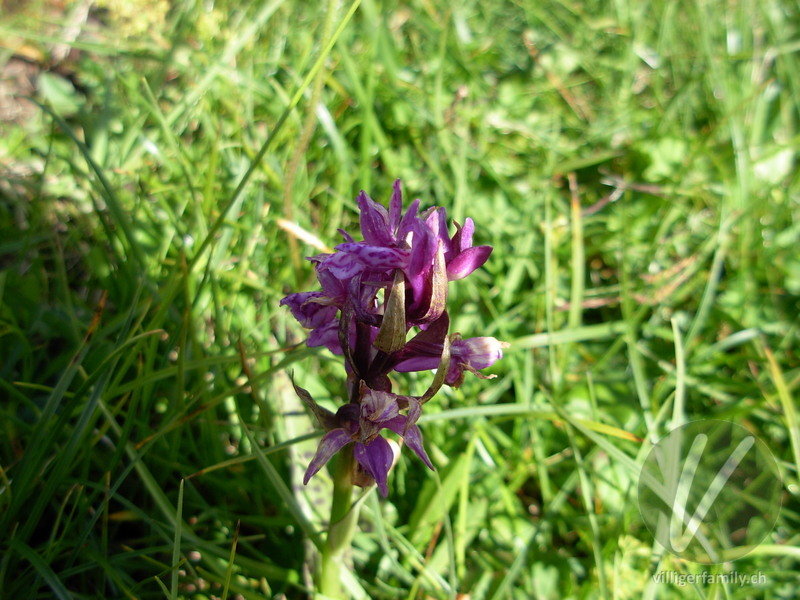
<point>373,293</point>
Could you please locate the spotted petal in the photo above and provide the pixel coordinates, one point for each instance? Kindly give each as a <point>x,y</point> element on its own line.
<point>377,406</point>
<point>341,265</point>
<point>375,257</point>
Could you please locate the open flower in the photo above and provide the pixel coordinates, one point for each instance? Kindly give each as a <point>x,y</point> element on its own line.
<point>471,354</point>
<point>313,312</point>
<point>361,426</point>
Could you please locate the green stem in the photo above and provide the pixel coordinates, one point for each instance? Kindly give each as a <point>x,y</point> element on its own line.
<point>344,517</point>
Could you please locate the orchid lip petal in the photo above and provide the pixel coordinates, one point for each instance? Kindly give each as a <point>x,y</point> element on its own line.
<point>377,406</point>
<point>376,457</point>
<point>326,335</point>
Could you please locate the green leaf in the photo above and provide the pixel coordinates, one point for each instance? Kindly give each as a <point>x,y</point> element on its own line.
<point>59,93</point>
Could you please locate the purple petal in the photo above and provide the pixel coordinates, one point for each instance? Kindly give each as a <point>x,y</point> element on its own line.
<point>395,206</point>
<point>463,237</point>
<point>374,222</point>
<point>424,244</point>
<point>479,352</point>
<point>375,257</point>
<point>418,363</point>
<point>411,435</point>
<point>419,285</point>
<point>377,406</point>
<point>437,223</point>
<point>413,439</point>
<point>307,310</point>
<point>424,351</point>
<point>326,335</point>
<point>348,415</point>
<point>333,287</point>
<point>414,411</point>
<point>376,458</point>
<point>429,300</point>
<point>467,261</point>
<point>471,355</point>
<point>407,223</point>
<point>423,251</point>
<point>342,266</point>
<point>330,444</point>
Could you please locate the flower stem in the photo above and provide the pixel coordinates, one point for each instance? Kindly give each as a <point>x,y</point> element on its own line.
<point>344,517</point>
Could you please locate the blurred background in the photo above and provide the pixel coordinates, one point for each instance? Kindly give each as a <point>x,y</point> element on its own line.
<point>165,167</point>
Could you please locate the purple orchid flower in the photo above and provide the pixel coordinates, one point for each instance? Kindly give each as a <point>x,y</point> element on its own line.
<point>313,312</point>
<point>409,258</point>
<point>421,248</point>
<point>471,354</point>
<point>361,426</point>
<point>461,258</point>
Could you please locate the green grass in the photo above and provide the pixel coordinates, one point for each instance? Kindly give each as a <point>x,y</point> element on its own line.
<point>633,165</point>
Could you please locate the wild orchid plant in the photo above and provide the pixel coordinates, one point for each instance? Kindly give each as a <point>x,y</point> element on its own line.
<point>373,293</point>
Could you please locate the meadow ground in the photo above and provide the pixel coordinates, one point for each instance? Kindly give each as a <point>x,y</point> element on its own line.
<point>632,163</point>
